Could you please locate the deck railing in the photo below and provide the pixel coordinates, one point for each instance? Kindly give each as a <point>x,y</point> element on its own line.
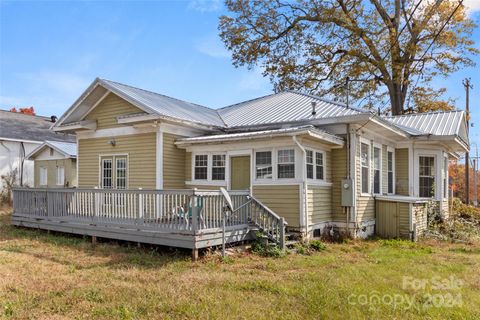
<point>186,211</point>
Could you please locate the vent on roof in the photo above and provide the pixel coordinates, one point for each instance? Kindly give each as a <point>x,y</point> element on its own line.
<point>53,119</point>
<point>314,108</point>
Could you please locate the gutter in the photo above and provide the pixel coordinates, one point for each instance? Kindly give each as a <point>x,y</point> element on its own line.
<point>305,185</point>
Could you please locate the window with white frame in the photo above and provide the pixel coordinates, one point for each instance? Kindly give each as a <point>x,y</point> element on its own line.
<point>218,167</point>
<point>445,177</point>
<point>60,176</point>
<point>43,176</point>
<point>377,177</point>
<point>315,165</point>
<point>263,164</point>
<point>309,154</point>
<point>201,167</point>
<point>107,173</point>
<point>390,174</point>
<point>426,176</point>
<point>121,173</point>
<point>286,164</point>
<point>365,164</point>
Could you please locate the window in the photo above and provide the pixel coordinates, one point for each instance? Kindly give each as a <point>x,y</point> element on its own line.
<point>390,171</point>
<point>319,165</point>
<point>309,164</point>
<point>60,176</point>
<point>445,177</point>
<point>377,159</point>
<point>286,164</point>
<point>201,167</point>
<point>263,165</point>
<point>218,167</point>
<point>43,176</point>
<point>121,173</point>
<point>365,163</point>
<point>107,173</point>
<point>426,176</point>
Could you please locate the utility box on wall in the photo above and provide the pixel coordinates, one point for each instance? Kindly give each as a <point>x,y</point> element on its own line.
<point>347,193</point>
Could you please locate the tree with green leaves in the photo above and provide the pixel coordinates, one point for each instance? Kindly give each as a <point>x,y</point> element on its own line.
<point>390,50</point>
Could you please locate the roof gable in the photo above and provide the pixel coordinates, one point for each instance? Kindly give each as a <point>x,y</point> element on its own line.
<point>68,149</point>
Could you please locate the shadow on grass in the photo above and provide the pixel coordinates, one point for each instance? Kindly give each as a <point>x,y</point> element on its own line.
<point>118,253</point>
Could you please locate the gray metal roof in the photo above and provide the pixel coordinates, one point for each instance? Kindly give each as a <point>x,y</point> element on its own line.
<point>166,106</point>
<point>69,149</point>
<point>443,123</point>
<point>19,126</point>
<point>324,135</point>
<point>286,106</point>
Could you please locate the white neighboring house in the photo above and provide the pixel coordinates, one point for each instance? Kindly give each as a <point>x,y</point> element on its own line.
<point>20,134</point>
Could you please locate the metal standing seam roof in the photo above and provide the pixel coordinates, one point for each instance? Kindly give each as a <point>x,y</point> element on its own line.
<point>286,106</point>
<point>265,133</point>
<point>443,123</point>
<point>69,149</point>
<point>167,106</point>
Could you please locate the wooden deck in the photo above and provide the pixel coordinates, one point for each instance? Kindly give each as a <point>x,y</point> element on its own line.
<point>189,219</point>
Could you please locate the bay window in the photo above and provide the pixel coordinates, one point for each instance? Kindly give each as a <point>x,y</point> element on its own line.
<point>365,163</point>
<point>426,176</point>
<point>286,164</point>
<point>263,164</point>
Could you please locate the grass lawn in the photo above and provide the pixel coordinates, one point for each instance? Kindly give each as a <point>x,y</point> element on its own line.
<point>46,276</point>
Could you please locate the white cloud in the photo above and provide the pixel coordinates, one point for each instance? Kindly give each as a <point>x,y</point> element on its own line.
<point>472,5</point>
<point>205,5</point>
<point>212,46</point>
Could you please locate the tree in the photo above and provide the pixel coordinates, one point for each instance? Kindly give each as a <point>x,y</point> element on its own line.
<point>390,50</point>
<point>26,110</point>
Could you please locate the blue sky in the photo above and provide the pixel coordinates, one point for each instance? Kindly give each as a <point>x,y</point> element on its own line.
<point>51,51</point>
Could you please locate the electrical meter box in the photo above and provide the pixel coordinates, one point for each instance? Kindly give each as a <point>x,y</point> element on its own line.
<point>347,193</point>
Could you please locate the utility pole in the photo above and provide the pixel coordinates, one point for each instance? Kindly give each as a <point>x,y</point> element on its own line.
<point>468,86</point>
<point>475,164</point>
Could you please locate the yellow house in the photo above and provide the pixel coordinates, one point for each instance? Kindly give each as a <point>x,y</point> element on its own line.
<point>322,166</point>
<point>55,165</point>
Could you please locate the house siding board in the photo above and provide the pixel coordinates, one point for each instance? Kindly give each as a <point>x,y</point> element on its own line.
<point>109,109</point>
<point>188,166</point>
<point>338,173</point>
<point>51,165</point>
<point>401,171</point>
<point>141,150</point>
<point>319,204</point>
<point>403,220</point>
<point>173,163</point>
<point>284,200</point>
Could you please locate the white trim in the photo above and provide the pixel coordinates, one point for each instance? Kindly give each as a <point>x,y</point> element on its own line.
<point>100,171</point>
<point>369,184</point>
<point>115,132</point>
<point>21,140</point>
<point>437,154</point>
<point>159,160</point>
<point>209,168</point>
<point>314,159</point>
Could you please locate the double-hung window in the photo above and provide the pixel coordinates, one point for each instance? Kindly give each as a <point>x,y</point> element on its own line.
<point>121,173</point>
<point>315,165</point>
<point>43,176</point>
<point>218,167</point>
<point>263,164</point>
<point>390,171</point>
<point>426,176</point>
<point>201,167</point>
<point>60,176</point>
<point>377,160</point>
<point>365,163</point>
<point>286,164</point>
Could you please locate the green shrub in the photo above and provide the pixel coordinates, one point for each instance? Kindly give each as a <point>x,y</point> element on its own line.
<point>267,250</point>
<point>317,245</point>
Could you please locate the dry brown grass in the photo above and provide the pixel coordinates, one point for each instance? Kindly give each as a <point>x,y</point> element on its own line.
<point>63,277</point>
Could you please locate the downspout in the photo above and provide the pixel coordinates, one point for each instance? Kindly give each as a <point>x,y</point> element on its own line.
<point>348,209</point>
<point>304,181</point>
<point>22,160</point>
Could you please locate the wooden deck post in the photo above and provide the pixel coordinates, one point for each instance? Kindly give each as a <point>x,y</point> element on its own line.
<point>194,254</point>
<point>282,233</point>
<point>94,240</point>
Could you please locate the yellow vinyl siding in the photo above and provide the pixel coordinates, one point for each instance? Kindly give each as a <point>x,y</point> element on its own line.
<point>51,165</point>
<point>319,204</point>
<point>188,166</point>
<point>403,220</point>
<point>401,171</point>
<point>173,163</point>
<point>107,111</point>
<point>284,200</point>
<point>338,172</point>
<point>141,151</point>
